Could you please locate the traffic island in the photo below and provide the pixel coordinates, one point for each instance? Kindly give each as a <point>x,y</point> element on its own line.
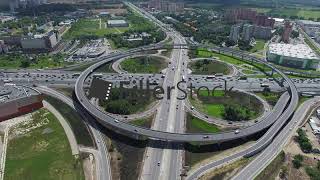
<point>209,66</point>
<point>144,64</point>
<point>127,101</point>
<point>231,106</point>
<point>196,125</point>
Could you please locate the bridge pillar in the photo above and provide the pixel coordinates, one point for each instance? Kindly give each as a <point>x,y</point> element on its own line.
<point>281,82</point>
<point>272,71</point>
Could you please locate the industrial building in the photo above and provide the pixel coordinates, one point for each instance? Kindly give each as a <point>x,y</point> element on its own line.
<point>45,42</point>
<point>314,124</point>
<point>18,100</point>
<point>312,28</point>
<point>167,6</point>
<point>117,23</point>
<point>297,56</point>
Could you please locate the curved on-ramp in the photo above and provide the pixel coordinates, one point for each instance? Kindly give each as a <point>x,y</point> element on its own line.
<point>125,128</point>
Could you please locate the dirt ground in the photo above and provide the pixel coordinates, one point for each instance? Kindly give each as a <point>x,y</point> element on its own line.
<point>89,168</point>
<point>226,172</point>
<point>294,148</point>
<point>310,159</point>
<point>222,155</point>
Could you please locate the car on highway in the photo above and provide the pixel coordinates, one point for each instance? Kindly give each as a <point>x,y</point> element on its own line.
<point>237,131</point>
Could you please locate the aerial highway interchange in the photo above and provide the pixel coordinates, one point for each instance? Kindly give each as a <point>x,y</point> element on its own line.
<point>163,158</point>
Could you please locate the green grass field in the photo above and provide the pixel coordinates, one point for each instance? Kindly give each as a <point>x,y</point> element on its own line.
<point>271,97</point>
<point>145,122</point>
<point>217,93</point>
<point>204,67</point>
<point>143,65</point>
<point>214,106</point>
<point>258,46</point>
<point>196,125</point>
<point>303,12</point>
<point>43,153</point>
<point>40,62</point>
<point>290,12</point>
<point>231,60</point>
<point>272,170</point>
<point>87,27</point>
<point>77,124</point>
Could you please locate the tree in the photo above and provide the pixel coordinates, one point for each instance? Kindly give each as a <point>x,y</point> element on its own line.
<point>295,34</point>
<point>229,43</point>
<point>318,165</point>
<point>117,107</point>
<point>266,91</point>
<point>244,45</point>
<point>25,64</point>
<point>236,113</point>
<point>283,173</point>
<point>297,161</point>
<point>303,141</point>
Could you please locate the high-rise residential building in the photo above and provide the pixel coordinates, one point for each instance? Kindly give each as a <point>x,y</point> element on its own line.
<point>234,15</point>
<point>287,31</point>
<point>14,4</point>
<point>261,32</point>
<point>166,6</point>
<point>247,32</point>
<point>262,20</point>
<point>234,33</point>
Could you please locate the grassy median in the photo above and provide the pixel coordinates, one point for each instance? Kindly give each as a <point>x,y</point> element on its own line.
<point>146,64</point>
<point>205,67</point>
<point>196,125</point>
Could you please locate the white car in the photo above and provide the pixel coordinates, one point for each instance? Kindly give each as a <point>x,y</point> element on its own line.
<point>237,131</point>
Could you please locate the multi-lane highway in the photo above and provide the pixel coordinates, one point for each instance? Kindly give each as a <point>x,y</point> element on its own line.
<point>282,139</point>
<point>166,162</point>
<point>67,78</point>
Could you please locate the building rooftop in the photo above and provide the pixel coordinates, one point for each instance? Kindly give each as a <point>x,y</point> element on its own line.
<point>300,51</point>
<point>10,92</point>
<point>117,22</point>
<point>308,22</point>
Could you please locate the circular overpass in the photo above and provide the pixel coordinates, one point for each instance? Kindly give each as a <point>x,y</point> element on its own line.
<point>133,130</point>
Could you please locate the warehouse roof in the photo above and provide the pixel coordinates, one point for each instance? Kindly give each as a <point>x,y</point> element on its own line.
<point>117,22</point>
<point>10,92</point>
<point>300,51</point>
